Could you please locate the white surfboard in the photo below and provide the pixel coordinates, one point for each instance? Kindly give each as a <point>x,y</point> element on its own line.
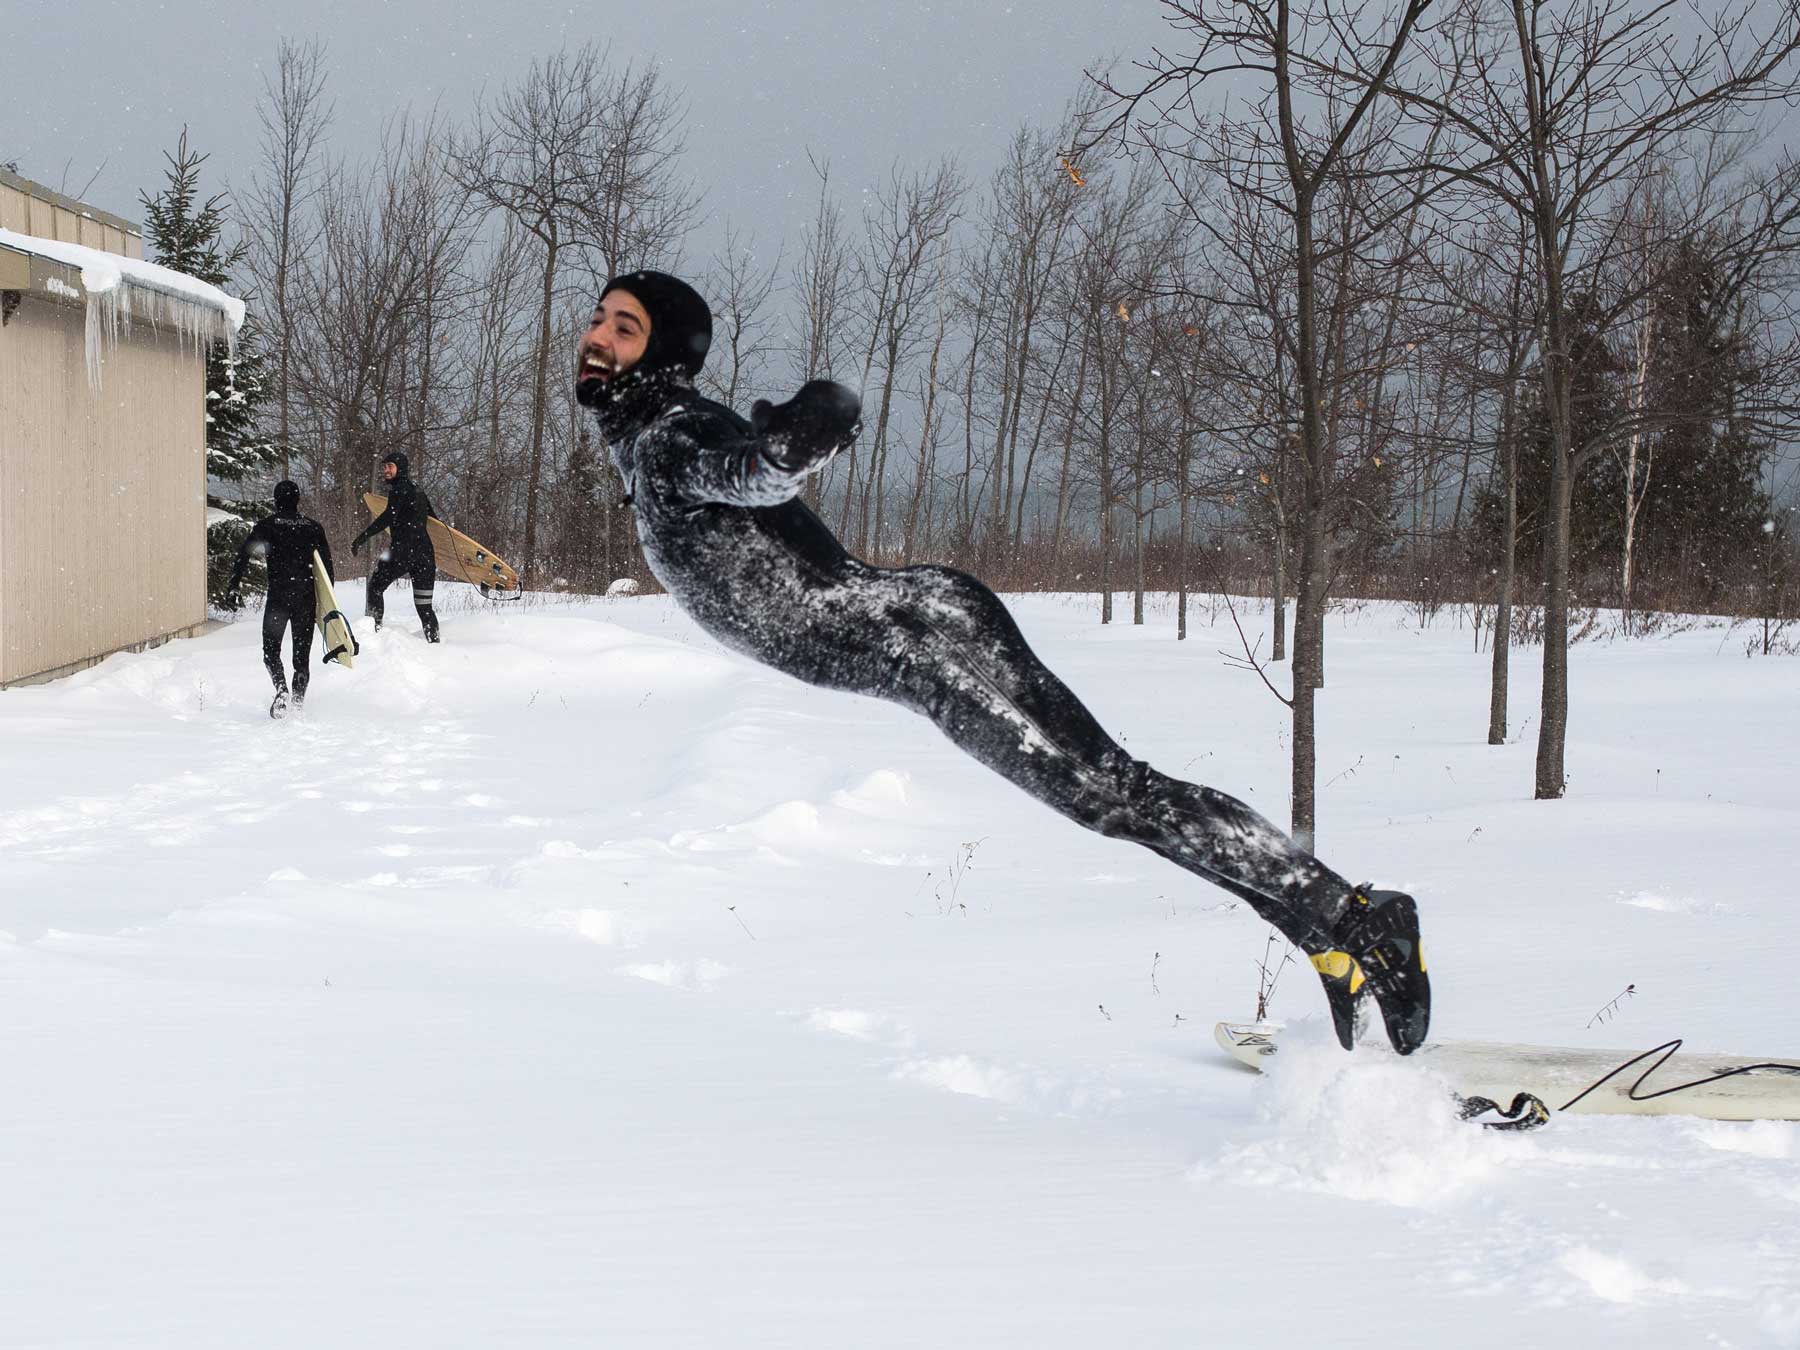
<point>334,628</point>
<point>1651,1082</point>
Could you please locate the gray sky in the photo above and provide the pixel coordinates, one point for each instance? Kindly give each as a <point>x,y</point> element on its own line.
<point>110,82</point>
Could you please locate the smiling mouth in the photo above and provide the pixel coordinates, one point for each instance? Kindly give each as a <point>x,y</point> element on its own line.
<point>596,367</point>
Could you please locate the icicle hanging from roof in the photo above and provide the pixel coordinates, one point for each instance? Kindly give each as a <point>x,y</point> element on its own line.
<point>119,291</point>
<point>111,312</point>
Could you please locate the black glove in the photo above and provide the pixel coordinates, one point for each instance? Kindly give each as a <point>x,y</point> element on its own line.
<point>231,599</point>
<point>356,545</point>
<point>810,427</point>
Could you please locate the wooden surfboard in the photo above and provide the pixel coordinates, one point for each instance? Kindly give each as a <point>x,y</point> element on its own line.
<point>334,628</point>
<point>1584,1081</point>
<point>457,555</point>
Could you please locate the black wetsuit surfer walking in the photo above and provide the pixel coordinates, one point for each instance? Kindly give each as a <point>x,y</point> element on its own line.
<point>286,542</point>
<point>408,510</point>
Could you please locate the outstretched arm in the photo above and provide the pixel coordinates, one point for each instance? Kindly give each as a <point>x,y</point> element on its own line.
<point>787,442</point>
<point>375,527</point>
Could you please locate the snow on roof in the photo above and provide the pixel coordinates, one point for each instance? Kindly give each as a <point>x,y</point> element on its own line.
<point>101,272</point>
<point>119,289</point>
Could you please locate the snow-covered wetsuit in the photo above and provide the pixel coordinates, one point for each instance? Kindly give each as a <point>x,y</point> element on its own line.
<point>723,530</point>
<point>410,555</point>
<point>286,540</point>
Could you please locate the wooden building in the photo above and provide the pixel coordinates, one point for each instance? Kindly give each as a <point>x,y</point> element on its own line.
<point>102,436</point>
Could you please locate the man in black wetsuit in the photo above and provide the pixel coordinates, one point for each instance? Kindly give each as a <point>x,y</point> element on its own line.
<point>717,507</point>
<point>286,541</point>
<point>410,554</point>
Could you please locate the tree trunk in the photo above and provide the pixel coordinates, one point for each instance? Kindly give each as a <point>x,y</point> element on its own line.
<point>1308,672</point>
<point>1278,618</point>
<point>1062,482</point>
<point>1554,722</point>
<point>1181,562</point>
<point>1106,534</point>
<point>539,403</point>
<point>1509,544</point>
<point>1137,597</point>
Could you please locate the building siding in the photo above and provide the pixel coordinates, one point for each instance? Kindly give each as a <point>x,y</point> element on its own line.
<point>31,208</point>
<point>102,495</point>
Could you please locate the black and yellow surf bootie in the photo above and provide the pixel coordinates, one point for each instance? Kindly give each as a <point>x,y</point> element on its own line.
<point>1375,951</point>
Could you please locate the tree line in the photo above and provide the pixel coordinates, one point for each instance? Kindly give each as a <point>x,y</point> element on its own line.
<point>1488,302</point>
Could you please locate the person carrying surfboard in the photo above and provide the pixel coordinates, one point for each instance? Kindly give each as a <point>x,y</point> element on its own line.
<point>408,508</point>
<point>286,541</point>
<point>718,513</point>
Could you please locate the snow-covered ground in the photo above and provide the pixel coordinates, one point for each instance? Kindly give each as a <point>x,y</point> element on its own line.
<point>576,983</point>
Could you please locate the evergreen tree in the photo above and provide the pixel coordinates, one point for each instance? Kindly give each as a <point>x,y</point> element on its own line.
<point>578,551</point>
<point>1703,503</point>
<point>185,234</point>
<point>1593,522</point>
<point>1699,472</point>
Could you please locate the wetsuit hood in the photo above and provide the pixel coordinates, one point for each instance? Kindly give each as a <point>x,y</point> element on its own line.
<point>680,321</point>
<point>399,461</point>
<point>287,497</point>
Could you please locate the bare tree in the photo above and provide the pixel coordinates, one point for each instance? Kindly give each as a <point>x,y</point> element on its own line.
<point>1307,136</point>
<point>916,530</point>
<point>1557,107</point>
<point>278,215</point>
<point>820,282</point>
<point>583,159</point>
<point>1111,274</point>
<point>394,239</point>
<point>909,225</point>
<point>1028,221</point>
<point>498,376</point>
<point>740,287</point>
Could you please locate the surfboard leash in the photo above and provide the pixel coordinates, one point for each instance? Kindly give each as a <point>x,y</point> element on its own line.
<point>1662,1054</point>
<point>1528,1112</point>
<point>353,646</point>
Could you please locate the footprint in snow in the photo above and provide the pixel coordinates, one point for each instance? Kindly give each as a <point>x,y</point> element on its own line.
<point>695,975</point>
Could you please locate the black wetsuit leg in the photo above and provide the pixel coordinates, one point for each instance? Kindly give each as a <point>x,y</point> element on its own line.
<point>424,581</point>
<point>305,617</point>
<point>275,619</point>
<point>942,644</point>
<point>387,571</point>
<point>288,607</point>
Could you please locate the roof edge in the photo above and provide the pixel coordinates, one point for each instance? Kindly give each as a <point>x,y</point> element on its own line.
<point>35,189</point>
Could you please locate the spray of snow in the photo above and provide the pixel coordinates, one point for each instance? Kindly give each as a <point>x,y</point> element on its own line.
<point>1365,1127</point>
